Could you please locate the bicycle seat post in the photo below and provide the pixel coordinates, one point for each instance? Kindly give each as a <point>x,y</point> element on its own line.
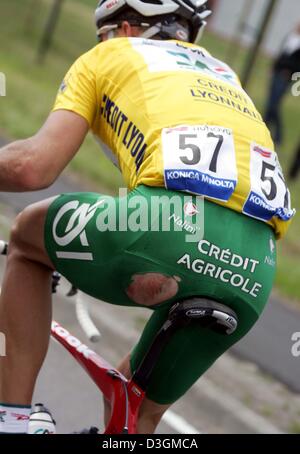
<point>207,314</point>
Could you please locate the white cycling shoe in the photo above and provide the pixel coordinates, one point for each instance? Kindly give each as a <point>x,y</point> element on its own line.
<point>41,421</point>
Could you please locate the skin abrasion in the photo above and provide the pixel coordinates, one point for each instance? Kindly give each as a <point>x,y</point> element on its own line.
<point>152,288</point>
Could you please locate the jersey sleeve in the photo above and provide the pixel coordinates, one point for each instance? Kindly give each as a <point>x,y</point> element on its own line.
<point>78,91</point>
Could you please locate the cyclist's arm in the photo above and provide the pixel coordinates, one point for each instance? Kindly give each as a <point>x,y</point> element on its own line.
<point>36,162</point>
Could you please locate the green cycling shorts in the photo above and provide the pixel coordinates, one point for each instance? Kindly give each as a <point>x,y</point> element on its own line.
<point>131,251</point>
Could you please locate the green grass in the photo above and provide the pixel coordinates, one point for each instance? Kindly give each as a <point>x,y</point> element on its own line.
<point>31,90</point>
<point>294,427</point>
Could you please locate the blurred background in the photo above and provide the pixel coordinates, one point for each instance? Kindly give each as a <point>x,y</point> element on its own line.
<point>39,40</point>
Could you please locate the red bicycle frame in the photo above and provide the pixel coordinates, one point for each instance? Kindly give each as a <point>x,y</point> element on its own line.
<point>124,395</point>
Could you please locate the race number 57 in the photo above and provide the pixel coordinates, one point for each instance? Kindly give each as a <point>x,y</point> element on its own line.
<point>200,159</point>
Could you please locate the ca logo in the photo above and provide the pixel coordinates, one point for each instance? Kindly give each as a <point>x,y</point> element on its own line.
<point>77,222</point>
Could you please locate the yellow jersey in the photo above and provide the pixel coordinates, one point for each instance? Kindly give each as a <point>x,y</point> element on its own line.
<point>169,114</point>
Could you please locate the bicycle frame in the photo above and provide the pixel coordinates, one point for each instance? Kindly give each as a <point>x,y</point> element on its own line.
<point>124,395</point>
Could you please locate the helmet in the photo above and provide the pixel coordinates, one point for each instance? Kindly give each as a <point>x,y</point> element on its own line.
<point>159,15</point>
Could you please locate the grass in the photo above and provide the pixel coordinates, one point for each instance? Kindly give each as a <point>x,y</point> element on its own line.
<point>267,411</point>
<point>31,90</point>
<point>294,427</point>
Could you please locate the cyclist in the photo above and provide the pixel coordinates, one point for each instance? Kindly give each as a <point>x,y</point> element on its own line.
<point>178,124</point>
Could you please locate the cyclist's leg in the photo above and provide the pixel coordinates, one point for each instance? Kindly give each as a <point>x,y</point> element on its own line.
<point>235,246</point>
<point>25,306</point>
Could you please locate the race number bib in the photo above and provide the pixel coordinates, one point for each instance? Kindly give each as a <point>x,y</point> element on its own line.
<point>269,195</point>
<point>200,159</point>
